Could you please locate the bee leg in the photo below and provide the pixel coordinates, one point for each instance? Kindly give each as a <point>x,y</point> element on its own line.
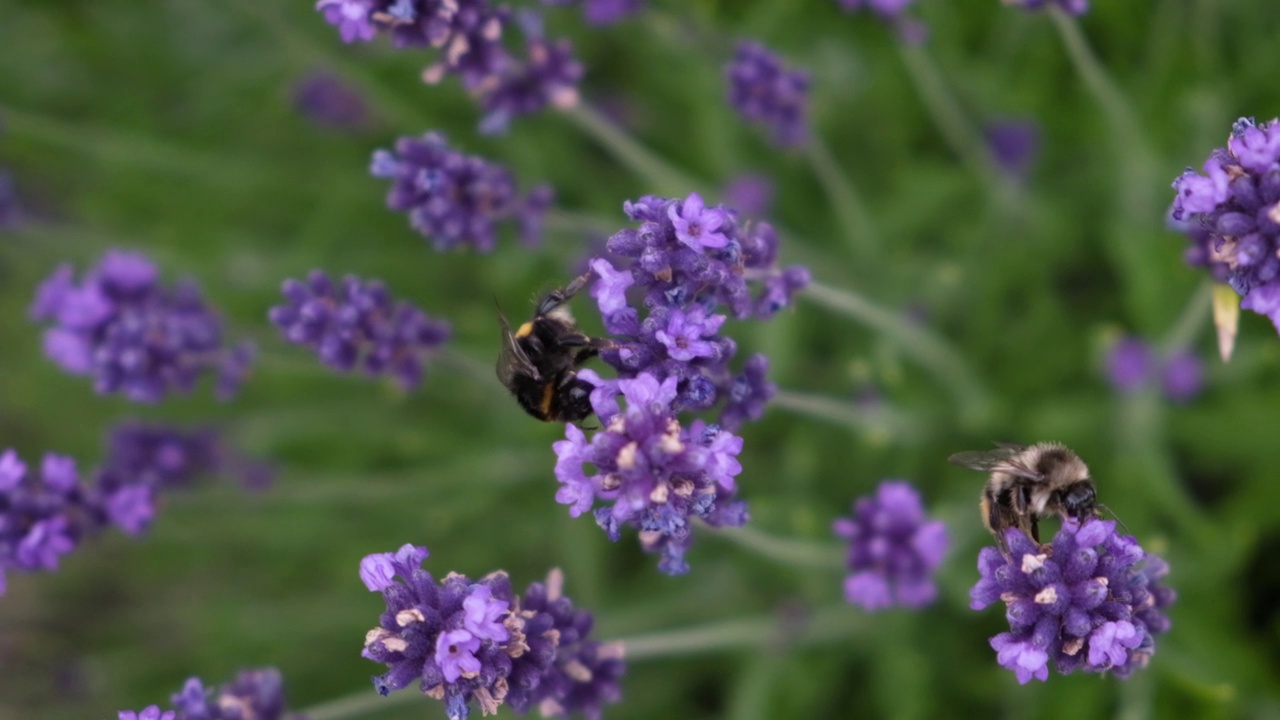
<point>584,355</point>
<point>1035,530</point>
<point>560,296</point>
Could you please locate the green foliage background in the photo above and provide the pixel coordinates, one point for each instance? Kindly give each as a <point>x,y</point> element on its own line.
<point>168,127</point>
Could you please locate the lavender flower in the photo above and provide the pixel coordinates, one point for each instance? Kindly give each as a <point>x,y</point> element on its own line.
<point>357,324</point>
<point>454,199</point>
<point>893,549</point>
<point>563,671</point>
<point>1237,202</point>
<point>252,695</point>
<point>548,75</point>
<point>690,260</point>
<point>329,102</point>
<point>656,474</point>
<point>133,335</point>
<point>603,12</point>
<point>1013,145</point>
<point>1085,602</point>
<point>765,92</point>
<point>465,641</point>
<point>1133,365</point>
<point>1071,7</point>
<point>750,194</point>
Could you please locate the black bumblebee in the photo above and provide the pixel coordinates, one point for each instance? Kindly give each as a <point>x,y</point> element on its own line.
<point>539,361</point>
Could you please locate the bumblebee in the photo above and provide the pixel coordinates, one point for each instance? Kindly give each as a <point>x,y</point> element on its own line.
<point>538,362</point>
<point>1029,482</point>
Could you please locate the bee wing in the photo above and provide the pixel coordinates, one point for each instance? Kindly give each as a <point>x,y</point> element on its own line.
<point>1003,459</point>
<point>511,359</point>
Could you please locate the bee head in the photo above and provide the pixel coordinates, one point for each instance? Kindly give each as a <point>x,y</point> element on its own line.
<point>1079,499</point>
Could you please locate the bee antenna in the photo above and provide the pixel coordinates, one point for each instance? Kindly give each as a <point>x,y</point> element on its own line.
<point>1113,514</point>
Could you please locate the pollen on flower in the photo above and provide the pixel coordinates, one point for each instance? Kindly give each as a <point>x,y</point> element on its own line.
<point>1031,563</point>
<point>1047,596</point>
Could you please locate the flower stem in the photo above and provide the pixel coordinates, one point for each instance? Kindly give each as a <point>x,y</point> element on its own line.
<point>881,424</point>
<point>831,624</point>
<point>665,178</point>
<point>1195,314</point>
<point>850,208</point>
<point>786,551</point>
<point>926,348</point>
<point>359,704</point>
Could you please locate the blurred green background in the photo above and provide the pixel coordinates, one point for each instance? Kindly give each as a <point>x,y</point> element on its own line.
<point>169,127</point>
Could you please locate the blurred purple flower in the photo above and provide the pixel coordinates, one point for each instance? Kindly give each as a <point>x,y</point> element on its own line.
<point>1014,144</point>
<point>765,92</point>
<point>455,199</point>
<point>893,549</point>
<point>1232,213</point>
<point>750,194</point>
<point>358,325</point>
<point>1084,602</point>
<point>910,30</point>
<point>603,12</point>
<point>11,212</point>
<point>328,101</point>
<point>149,713</point>
<point>463,641</point>
<point>253,695</point>
<point>1132,365</point>
<point>133,335</point>
<point>656,473</point>
<point>548,75</point>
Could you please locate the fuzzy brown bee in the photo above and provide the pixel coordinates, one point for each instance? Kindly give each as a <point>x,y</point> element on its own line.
<point>538,362</point>
<point>1029,482</point>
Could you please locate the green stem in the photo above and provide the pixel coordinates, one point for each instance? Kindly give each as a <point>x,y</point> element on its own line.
<point>881,424</point>
<point>786,551</point>
<point>850,208</point>
<point>665,178</point>
<point>145,152</point>
<point>926,348</point>
<point>1188,326</point>
<point>830,624</point>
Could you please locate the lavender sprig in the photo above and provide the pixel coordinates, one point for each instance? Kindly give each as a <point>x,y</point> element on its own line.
<point>1232,213</point>
<point>1070,7</point>
<point>1086,601</point>
<point>465,641</point>
<point>455,200</point>
<point>356,324</point>
<point>765,92</point>
<point>253,695</point>
<point>893,549</point>
<point>603,12</point>
<point>134,336</point>
<point>656,474</point>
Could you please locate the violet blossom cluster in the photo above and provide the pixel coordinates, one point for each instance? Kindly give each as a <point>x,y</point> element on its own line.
<point>689,261</point>
<point>1091,600</point>
<point>467,641</point>
<point>1133,364</point>
<point>603,12</point>
<point>650,471</point>
<point>133,335</point>
<point>256,694</point>
<point>894,549</point>
<point>1234,207</point>
<point>45,514</point>
<point>457,200</point>
<point>326,100</point>
<point>356,324</point>
<point>765,92</point>
<point>468,35</point>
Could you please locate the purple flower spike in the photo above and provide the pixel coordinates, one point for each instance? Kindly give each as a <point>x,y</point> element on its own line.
<point>133,335</point>
<point>1231,213</point>
<point>358,325</point>
<point>1014,144</point>
<point>1071,7</point>
<point>1133,365</point>
<point>43,516</point>
<point>256,694</point>
<point>465,641</point>
<point>682,264</point>
<point>1088,600</point>
<point>548,75</point>
<point>656,474</point>
<point>455,200</point>
<point>893,549</point>
<point>327,101</point>
<point>764,92</point>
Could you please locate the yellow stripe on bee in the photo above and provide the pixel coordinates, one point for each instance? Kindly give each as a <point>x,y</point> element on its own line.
<point>524,330</point>
<point>548,392</point>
